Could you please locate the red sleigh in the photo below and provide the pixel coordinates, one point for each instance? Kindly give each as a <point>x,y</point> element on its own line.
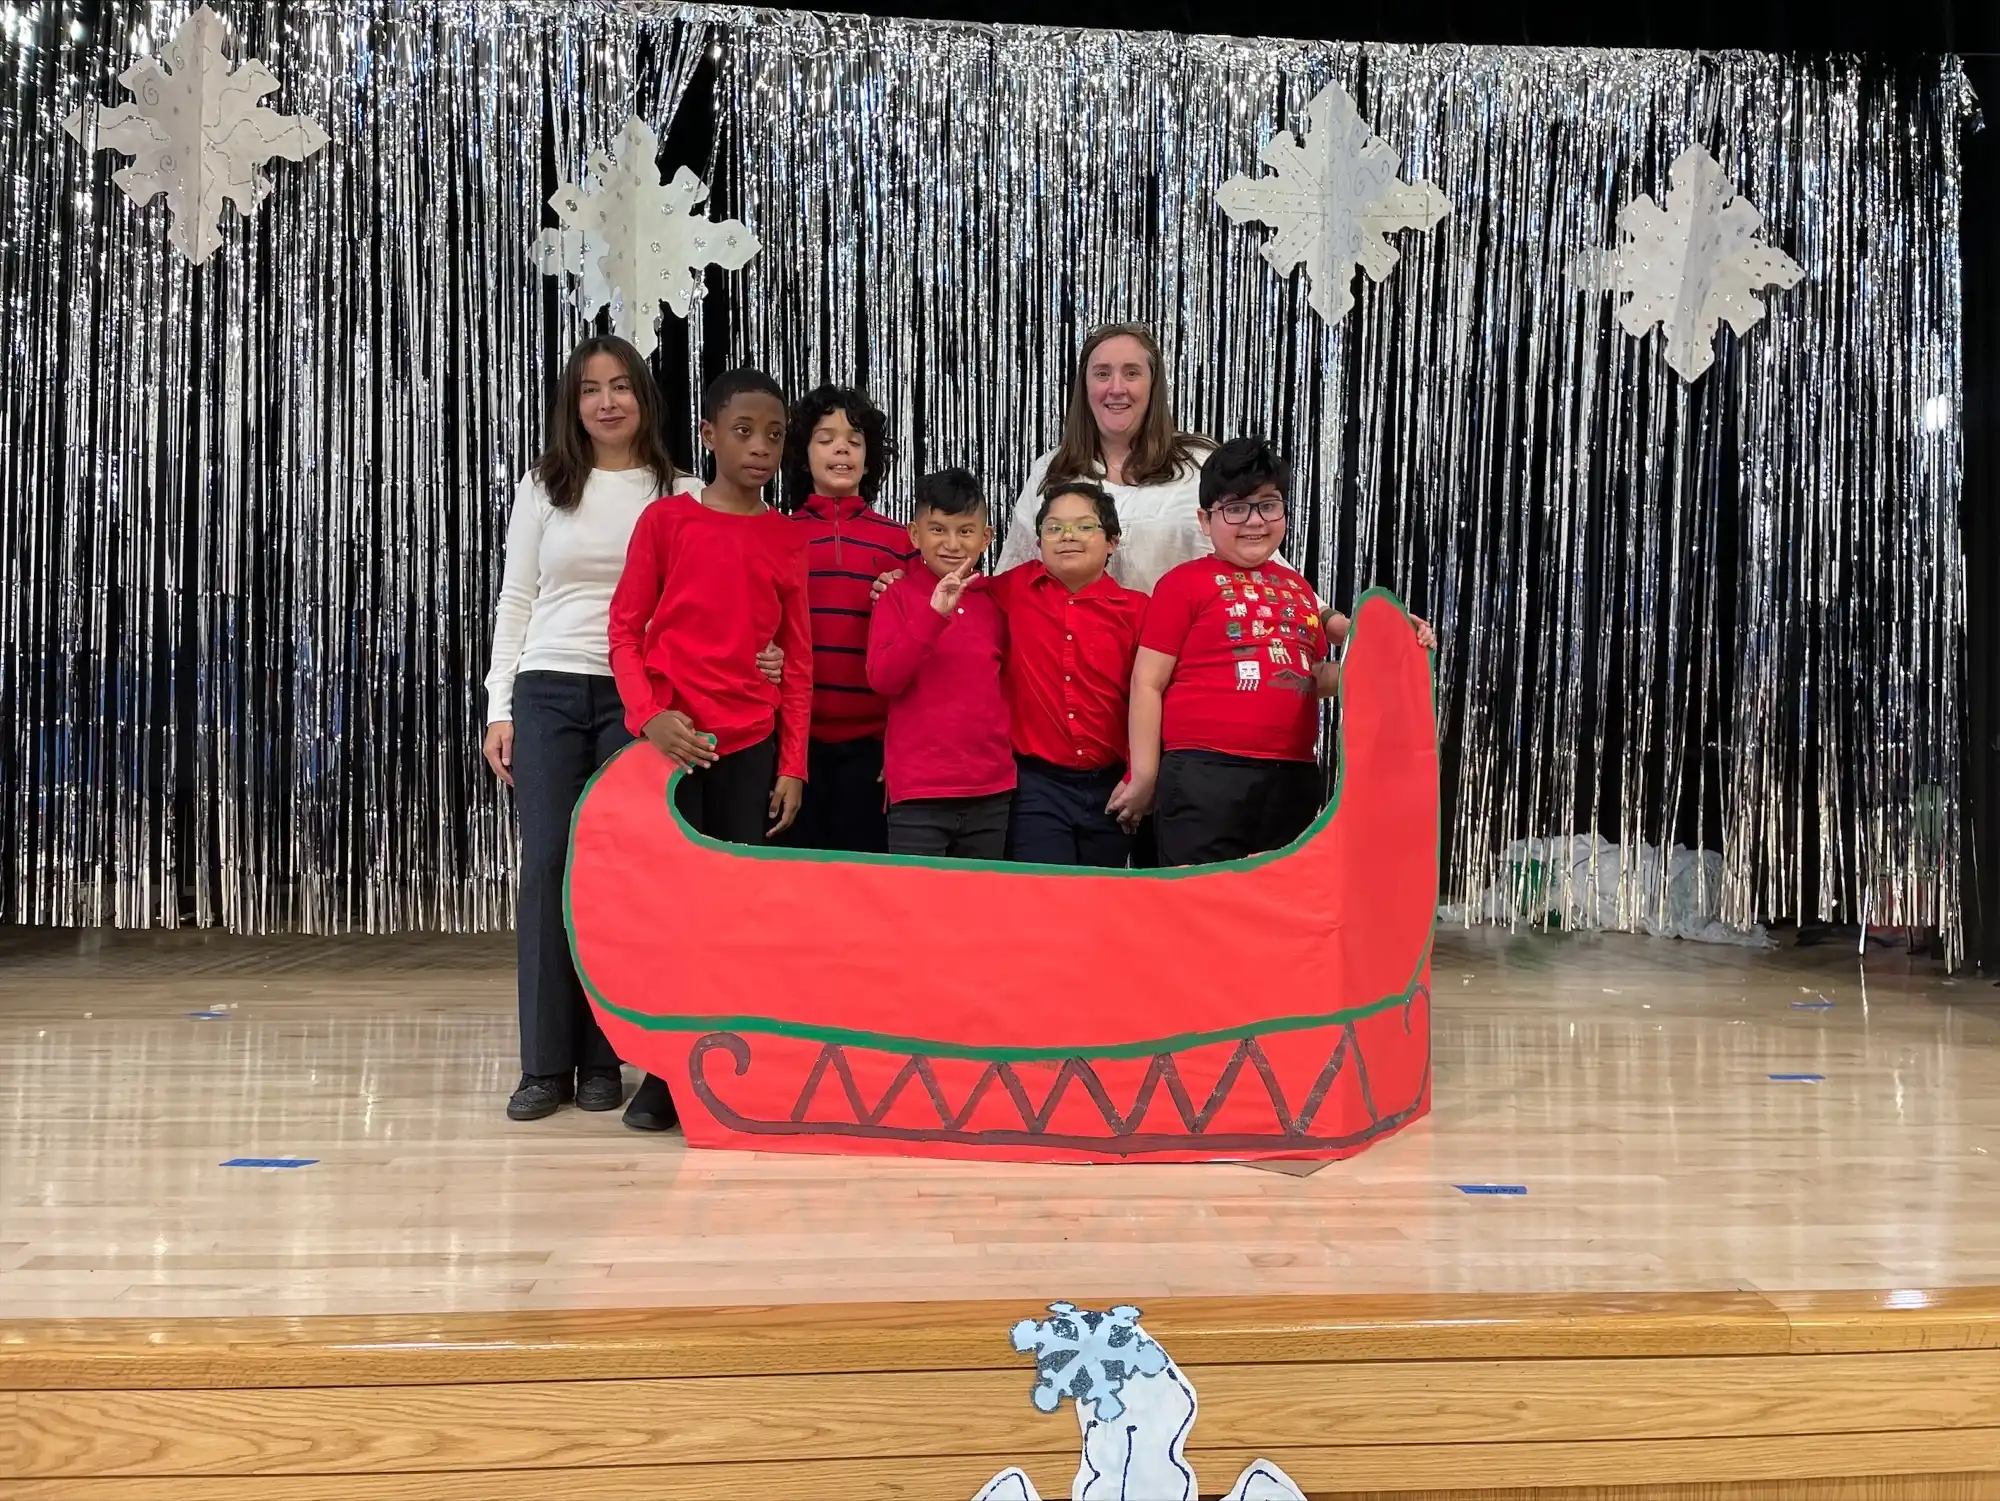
<point>1271,1007</point>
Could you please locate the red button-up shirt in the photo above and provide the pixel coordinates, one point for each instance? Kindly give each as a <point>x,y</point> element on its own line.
<point>1069,665</point>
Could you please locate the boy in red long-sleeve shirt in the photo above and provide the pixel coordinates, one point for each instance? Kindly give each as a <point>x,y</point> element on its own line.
<point>934,651</point>
<point>707,583</point>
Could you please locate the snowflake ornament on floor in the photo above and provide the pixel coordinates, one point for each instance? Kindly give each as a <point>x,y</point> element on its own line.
<point>1333,201</point>
<point>1134,1407</point>
<point>1688,266</point>
<point>636,242</point>
<point>197,133</point>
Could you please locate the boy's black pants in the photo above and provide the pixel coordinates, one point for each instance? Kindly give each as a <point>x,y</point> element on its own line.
<point>1059,816</point>
<point>732,799</point>
<point>1209,806</point>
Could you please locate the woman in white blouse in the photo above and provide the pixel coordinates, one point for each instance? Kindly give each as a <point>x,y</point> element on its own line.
<point>1120,431</point>
<point>552,709</point>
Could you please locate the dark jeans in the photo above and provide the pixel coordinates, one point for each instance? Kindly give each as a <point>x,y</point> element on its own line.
<point>566,725</point>
<point>843,805</point>
<point>1059,816</point>
<point>959,828</point>
<point>1214,807</point>
<point>731,800</point>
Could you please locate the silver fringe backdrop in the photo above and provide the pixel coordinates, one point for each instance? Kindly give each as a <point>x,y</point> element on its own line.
<point>252,511</point>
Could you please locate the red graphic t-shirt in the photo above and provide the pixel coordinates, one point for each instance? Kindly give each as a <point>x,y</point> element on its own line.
<point>1245,641</point>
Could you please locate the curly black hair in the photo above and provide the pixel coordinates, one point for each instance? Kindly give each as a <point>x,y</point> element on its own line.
<point>807,413</point>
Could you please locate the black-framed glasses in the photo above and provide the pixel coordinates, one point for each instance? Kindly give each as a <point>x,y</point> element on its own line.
<point>1236,512</point>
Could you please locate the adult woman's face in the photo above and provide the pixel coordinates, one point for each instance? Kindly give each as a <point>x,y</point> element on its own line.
<point>1119,380</point>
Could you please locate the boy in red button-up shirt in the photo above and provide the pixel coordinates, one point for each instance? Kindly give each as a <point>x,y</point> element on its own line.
<point>1072,633</point>
<point>934,651</point>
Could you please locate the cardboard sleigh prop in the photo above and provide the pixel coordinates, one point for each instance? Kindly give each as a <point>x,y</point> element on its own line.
<point>1265,1008</point>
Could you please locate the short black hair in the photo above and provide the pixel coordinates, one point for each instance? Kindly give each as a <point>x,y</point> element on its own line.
<point>731,384</point>
<point>1097,495</point>
<point>808,412</point>
<point>1242,467</point>
<point>949,492</point>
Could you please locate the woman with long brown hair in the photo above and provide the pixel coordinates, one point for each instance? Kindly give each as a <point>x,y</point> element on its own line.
<point>552,707</point>
<point>1120,431</point>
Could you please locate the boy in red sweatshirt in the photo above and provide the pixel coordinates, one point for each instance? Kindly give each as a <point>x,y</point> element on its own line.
<point>1072,634</point>
<point>934,651</point>
<point>837,448</point>
<point>707,582</point>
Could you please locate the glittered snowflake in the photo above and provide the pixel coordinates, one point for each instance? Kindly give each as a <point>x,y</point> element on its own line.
<point>1088,1356</point>
<point>1690,265</point>
<point>197,133</point>
<point>1333,201</point>
<point>635,242</point>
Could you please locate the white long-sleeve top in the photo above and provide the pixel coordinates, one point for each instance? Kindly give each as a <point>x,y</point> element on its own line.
<point>1157,525</point>
<point>555,592</point>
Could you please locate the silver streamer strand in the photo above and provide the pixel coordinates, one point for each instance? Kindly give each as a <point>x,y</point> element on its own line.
<point>252,511</point>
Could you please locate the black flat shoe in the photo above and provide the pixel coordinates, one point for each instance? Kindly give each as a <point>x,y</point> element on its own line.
<point>652,1108</point>
<point>599,1089</point>
<point>538,1095</point>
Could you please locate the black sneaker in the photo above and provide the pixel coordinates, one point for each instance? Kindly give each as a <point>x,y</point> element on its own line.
<point>538,1095</point>
<point>652,1108</point>
<point>599,1089</point>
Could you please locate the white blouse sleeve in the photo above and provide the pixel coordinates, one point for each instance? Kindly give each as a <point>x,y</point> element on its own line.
<point>520,584</point>
<point>1020,544</point>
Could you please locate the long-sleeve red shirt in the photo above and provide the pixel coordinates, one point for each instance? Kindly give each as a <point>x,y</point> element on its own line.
<point>1069,665</point>
<point>850,543</point>
<point>702,593</point>
<point>947,733</point>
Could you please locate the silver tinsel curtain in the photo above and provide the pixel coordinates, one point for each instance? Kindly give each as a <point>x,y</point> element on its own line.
<point>252,511</point>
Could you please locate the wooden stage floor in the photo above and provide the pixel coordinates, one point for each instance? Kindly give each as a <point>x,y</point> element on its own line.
<point>1712,1277</point>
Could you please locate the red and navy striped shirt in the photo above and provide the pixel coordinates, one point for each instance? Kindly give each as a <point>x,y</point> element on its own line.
<point>849,545</point>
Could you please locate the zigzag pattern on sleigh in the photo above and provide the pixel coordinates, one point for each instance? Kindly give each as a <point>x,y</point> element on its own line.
<point>1264,1008</point>
<point>1135,1409</point>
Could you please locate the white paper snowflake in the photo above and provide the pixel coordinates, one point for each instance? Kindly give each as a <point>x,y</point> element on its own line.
<point>1688,266</point>
<point>197,133</point>
<point>1333,201</point>
<point>636,242</point>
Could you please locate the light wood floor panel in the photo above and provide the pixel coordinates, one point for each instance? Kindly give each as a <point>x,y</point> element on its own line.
<point>1623,1082</point>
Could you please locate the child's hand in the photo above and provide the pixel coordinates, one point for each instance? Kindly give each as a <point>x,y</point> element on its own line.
<point>499,749</point>
<point>674,736</point>
<point>771,662</point>
<point>1326,678</point>
<point>786,795</point>
<point>1131,801</point>
<point>882,584</point>
<point>1426,637</point>
<point>944,598</point>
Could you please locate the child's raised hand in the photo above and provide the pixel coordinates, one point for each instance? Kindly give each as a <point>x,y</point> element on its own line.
<point>771,662</point>
<point>882,584</point>
<point>1426,637</point>
<point>944,598</point>
<point>787,793</point>
<point>674,736</point>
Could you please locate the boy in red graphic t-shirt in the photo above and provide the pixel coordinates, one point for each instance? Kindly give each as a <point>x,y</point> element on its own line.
<point>1234,658</point>
<point>708,582</point>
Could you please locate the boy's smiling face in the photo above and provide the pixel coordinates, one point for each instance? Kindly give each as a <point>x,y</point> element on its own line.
<point>747,437</point>
<point>1075,547</point>
<point>948,541</point>
<point>837,456</point>
<point>1251,541</point>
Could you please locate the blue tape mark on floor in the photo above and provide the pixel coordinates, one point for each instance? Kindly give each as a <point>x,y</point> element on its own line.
<point>1514,1190</point>
<point>1812,1005</point>
<point>270,1162</point>
<point>208,1016</point>
<point>1798,1078</point>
